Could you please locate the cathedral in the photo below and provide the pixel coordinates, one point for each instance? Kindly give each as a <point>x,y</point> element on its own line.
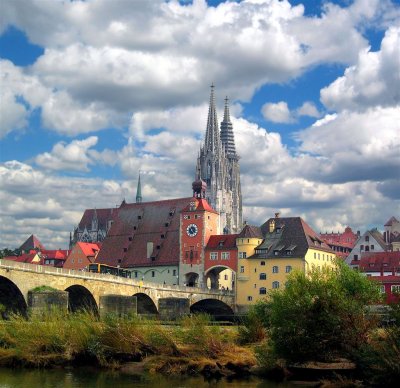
<point>218,166</point>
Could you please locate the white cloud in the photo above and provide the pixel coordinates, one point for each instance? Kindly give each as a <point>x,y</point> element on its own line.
<point>277,112</point>
<point>373,80</point>
<point>71,157</point>
<point>308,109</point>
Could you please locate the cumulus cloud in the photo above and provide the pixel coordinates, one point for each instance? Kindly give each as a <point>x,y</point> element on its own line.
<point>277,112</point>
<point>71,157</point>
<point>373,80</point>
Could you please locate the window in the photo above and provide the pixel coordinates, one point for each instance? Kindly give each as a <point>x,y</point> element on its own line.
<point>225,277</point>
<point>196,216</point>
<point>214,256</point>
<point>276,252</point>
<point>355,257</point>
<point>367,248</point>
<point>153,274</point>
<point>255,269</point>
<point>372,247</point>
<point>242,255</point>
<point>225,255</point>
<point>361,247</point>
<point>288,252</point>
<point>315,255</point>
<point>288,269</point>
<point>242,269</point>
<point>262,263</point>
<point>249,298</point>
<point>395,288</point>
<point>318,256</point>
<point>162,236</point>
<point>135,274</point>
<point>263,291</point>
<point>125,249</point>
<point>367,238</point>
<point>130,238</point>
<point>382,289</point>
<point>275,285</point>
<point>139,217</point>
<point>275,269</point>
<point>263,276</point>
<point>255,285</point>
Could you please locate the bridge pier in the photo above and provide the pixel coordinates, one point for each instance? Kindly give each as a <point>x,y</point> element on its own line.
<point>119,305</point>
<point>40,302</point>
<point>171,309</point>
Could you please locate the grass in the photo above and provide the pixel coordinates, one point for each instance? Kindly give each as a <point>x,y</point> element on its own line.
<point>58,338</point>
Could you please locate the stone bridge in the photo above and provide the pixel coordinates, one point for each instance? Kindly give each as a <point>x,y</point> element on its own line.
<point>104,293</point>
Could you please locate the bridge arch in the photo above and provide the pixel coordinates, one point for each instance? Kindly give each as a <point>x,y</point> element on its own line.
<point>145,304</point>
<point>214,307</point>
<point>80,298</point>
<point>192,279</point>
<point>11,298</point>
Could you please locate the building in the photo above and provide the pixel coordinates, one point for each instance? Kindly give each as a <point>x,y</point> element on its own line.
<point>341,243</point>
<point>31,243</point>
<point>218,166</point>
<point>391,235</point>
<point>144,238</point>
<point>81,255</point>
<point>383,267</point>
<point>220,258</point>
<point>33,257</point>
<point>371,241</point>
<point>267,255</point>
<point>54,257</point>
<point>94,226</point>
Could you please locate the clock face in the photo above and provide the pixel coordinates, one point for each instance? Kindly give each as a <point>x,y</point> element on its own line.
<point>192,230</point>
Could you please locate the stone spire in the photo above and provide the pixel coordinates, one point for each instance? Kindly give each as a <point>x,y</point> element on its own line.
<point>227,137</point>
<point>139,191</point>
<point>212,140</point>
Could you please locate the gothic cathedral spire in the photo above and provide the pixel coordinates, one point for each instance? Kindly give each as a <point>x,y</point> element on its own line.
<point>139,191</point>
<point>218,165</point>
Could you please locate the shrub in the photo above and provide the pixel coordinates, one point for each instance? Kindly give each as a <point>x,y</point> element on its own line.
<point>320,316</point>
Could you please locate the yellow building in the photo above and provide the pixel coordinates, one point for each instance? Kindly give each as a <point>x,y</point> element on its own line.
<point>267,254</point>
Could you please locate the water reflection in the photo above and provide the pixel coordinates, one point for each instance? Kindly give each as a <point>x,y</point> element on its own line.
<point>88,378</point>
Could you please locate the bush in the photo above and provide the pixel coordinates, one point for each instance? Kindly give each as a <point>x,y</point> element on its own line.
<point>320,316</point>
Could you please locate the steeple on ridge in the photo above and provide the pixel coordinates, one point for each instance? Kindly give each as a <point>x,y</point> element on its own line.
<point>139,191</point>
<point>212,140</point>
<point>227,137</point>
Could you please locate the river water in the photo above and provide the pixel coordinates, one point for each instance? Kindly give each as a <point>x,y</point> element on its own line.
<point>88,378</point>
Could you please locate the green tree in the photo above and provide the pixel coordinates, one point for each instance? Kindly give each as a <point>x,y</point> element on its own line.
<point>322,315</point>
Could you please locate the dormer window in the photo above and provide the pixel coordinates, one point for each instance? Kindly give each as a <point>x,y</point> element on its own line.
<point>278,229</point>
<point>221,244</point>
<point>139,217</point>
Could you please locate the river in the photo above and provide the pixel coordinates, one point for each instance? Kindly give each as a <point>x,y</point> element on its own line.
<point>88,378</point>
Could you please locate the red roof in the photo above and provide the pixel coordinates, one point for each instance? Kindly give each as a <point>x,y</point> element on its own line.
<point>199,204</point>
<point>60,254</point>
<point>103,216</point>
<point>89,249</point>
<point>380,261</point>
<point>24,258</point>
<point>32,242</point>
<point>138,224</point>
<point>223,241</point>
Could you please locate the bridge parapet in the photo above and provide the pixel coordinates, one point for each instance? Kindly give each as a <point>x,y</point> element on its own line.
<point>86,275</point>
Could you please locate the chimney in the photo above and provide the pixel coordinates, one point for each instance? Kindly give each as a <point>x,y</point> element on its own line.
<point>277,215</point>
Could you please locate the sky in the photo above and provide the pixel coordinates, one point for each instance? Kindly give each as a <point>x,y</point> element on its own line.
<point>92,92</point>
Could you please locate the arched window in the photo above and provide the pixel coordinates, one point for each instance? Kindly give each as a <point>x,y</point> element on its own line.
<point>275,269</point>
<point>275,285</point>
<point>263,291</point>
<point>263,276</point>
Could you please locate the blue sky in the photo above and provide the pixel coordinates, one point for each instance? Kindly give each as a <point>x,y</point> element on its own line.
<point>93,93</point>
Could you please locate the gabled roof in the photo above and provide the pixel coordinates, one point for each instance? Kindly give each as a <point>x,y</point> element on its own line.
<point>24,258</point>
<point>391,221</point>
<point>292,236</point>
<point>223,241</point>
<point>378,238</point>
<point>89,249</point>
<point>138,224</point>
<point>32,242</point>
<point>250,231</point>
<point>60,254</point>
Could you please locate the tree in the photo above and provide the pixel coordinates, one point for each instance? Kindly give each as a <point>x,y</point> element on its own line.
<point>322,315</point>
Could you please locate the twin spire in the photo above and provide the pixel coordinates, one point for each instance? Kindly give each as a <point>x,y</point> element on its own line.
<point>215,138</point>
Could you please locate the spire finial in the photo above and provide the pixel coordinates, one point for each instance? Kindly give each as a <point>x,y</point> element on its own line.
<point>139,191</point>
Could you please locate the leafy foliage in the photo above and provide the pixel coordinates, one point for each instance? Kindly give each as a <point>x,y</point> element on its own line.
<point>321,315</point>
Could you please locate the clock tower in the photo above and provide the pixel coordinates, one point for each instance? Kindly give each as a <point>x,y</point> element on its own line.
<point>197,223</point>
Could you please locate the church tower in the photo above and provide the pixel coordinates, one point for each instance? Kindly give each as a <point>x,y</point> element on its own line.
<point>218,166</point>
